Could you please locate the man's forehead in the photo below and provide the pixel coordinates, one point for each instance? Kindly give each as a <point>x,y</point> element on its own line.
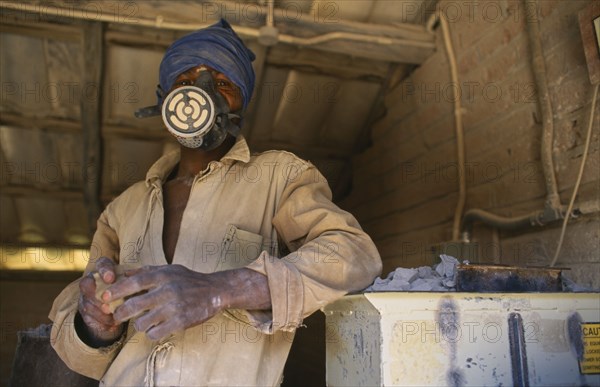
<point>201,67</point>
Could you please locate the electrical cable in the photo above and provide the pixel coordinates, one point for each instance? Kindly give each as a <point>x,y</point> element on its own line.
<point>460,145</point>
<point>552,209</point>
<point>579,176</point>
<point>544,103</point>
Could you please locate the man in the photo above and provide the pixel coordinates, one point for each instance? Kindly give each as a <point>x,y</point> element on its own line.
<point>230,251</point>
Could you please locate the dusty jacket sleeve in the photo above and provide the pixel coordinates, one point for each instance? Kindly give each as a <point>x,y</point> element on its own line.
<point>331,255</point>
<point>78,356</point>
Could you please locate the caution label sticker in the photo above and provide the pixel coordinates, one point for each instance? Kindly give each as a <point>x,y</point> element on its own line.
<point>590,364</point>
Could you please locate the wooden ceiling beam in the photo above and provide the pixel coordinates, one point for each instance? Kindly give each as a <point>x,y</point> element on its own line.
<point>304,59</point>
<point>28,24</point>
<point>334,64</point>
<point>132,132</point>
<point>126,35</point>
<point>36,192</point>
<point>321,30</point>
<point>42,123</point>
<point>92,73</point>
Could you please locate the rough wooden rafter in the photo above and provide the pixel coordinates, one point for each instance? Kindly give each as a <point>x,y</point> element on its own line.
<point>92,72</point>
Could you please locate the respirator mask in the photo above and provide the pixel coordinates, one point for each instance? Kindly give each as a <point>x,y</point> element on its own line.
<point>198,116</point>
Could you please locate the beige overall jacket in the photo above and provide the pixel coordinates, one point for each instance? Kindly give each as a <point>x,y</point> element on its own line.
<point>270,212</point>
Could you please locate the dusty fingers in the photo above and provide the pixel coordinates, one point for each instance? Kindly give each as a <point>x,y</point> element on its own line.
<point>164,299</point>
<point>106,267</point>
<point>99,326</point>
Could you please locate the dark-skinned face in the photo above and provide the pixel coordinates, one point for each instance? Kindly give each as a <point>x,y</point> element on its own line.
<point>223,85</point>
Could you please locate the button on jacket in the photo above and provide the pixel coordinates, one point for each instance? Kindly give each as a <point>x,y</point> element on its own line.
<point>269,212</point>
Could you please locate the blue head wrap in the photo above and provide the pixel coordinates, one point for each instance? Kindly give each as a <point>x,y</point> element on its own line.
<point>217,46</point>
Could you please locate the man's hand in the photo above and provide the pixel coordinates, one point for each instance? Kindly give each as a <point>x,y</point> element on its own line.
<point>170,298</point>
<point>99,328</point>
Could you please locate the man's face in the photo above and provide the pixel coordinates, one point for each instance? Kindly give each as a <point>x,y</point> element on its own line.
<point>231,92</point>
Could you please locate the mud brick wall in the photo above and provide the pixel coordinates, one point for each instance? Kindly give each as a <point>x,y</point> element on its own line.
<point>405,185</point>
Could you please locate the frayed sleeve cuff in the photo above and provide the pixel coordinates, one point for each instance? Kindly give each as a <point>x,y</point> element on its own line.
<point>78,356</point>
<point>287,297</point>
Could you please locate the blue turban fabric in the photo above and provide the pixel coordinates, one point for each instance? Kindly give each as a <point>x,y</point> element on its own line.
<point>217,46</point>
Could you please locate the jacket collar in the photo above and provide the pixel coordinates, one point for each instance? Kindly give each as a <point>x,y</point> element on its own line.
<point>161,169</point>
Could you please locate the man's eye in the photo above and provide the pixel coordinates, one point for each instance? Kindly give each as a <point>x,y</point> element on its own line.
<point>223,83</point>
<point>184,82</point>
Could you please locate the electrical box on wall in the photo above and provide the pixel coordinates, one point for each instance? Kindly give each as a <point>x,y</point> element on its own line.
<point>589,24</point>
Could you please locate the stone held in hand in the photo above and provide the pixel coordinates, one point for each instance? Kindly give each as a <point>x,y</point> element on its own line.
<point>101,286</point>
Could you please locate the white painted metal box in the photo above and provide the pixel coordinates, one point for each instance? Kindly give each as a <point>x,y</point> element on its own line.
<point>464,339</point>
